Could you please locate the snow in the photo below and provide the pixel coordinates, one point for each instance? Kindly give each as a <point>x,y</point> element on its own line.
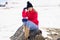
<point>10,16</point>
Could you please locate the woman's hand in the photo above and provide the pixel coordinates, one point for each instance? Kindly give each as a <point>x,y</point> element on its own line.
<point>24,8</point>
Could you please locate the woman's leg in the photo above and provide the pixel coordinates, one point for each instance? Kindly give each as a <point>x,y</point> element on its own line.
<point>33,28</point>
<point>31,25</point>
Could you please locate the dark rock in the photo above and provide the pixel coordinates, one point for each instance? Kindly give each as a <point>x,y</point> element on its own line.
<point>2,5</point>
<point>58,39</point>
<point>19,34</point>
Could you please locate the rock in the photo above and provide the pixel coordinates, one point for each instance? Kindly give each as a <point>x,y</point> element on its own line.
<point>58,39</point>
<point>19,34</point>
<point>39,37</point>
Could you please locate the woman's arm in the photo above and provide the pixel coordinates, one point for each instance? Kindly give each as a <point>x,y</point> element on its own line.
<point>24,14</point>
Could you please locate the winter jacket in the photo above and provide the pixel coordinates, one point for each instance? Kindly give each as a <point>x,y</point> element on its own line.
<point>32,16</point>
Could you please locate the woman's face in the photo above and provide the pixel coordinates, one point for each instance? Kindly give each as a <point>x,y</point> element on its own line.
<point>30,8</point>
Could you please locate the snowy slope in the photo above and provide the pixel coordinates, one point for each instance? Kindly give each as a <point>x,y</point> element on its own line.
<point>10,16</point>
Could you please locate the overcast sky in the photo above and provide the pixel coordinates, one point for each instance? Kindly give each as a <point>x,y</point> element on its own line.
<point>3,1</point>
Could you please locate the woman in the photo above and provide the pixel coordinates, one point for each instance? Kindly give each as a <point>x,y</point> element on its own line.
<point>30,18</point>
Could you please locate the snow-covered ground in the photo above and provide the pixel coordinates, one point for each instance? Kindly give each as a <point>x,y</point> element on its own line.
<point>10,16</point>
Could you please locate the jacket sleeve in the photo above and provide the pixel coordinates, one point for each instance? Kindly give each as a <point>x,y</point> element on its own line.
<point>24,14</point>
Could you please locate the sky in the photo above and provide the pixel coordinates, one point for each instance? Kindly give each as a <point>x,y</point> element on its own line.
<point>3,1</point>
